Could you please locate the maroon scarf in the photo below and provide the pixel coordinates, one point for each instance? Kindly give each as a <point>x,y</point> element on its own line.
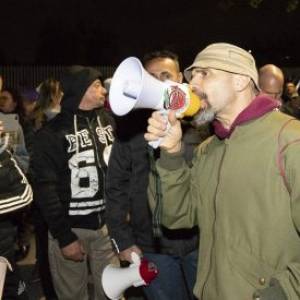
<point>257,108</point>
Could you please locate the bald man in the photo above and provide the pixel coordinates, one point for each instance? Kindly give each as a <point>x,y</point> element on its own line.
<point>271,80</point>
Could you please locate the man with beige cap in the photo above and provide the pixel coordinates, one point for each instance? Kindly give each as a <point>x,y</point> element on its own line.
<point>243,188</point>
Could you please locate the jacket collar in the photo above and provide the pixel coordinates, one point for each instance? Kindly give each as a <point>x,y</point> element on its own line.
<point>257,108</point>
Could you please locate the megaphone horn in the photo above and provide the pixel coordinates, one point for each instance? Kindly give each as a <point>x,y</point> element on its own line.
<point>116,280</point>
<point>133,87</point>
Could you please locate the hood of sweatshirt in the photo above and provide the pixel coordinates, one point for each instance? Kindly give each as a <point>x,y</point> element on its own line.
<point>257,108</point>
<point>75,82</point>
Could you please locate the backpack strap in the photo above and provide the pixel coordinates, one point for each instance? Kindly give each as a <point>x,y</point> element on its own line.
<point>280,158</point>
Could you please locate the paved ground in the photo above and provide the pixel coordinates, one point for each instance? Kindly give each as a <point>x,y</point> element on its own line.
<point>34,288</point>
<point>29,274</point>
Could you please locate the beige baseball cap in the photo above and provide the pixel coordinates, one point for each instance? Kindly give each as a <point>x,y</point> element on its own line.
<point>225,57</point>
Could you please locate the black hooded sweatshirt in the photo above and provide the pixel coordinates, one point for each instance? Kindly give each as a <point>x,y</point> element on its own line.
<point>69,162</point>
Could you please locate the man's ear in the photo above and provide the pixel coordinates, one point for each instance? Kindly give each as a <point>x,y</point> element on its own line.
<point>180,77</point>
<point>241,82</point>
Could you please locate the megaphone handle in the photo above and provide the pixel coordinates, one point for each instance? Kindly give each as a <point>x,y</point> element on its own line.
<point>139,283</point>
<point>156,143</point>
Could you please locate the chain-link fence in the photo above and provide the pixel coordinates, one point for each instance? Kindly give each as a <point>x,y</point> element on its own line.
<point>32,76</point>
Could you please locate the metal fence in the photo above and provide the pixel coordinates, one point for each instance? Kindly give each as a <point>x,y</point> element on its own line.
<point>32,76</point>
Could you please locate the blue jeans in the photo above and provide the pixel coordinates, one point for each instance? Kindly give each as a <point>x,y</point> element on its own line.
<point>176,278</point>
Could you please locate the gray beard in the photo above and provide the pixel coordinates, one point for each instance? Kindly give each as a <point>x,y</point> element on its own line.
<point>203,117</point>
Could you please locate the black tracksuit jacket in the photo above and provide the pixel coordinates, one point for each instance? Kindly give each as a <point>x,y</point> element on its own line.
<point>68,166</point>
<point>128,215</point>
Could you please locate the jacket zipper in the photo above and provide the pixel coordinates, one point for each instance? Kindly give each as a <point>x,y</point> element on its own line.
<point>214,225</point>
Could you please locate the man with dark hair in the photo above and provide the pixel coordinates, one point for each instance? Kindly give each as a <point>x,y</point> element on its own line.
<point>69,164</point>
<point>132,226</point>
<point>291,90</point>
<point>293,99</point>
<point>169,58</point>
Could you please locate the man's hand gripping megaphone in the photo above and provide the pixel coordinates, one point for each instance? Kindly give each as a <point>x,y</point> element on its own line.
<point>164,130</point>
<point>179,102</point>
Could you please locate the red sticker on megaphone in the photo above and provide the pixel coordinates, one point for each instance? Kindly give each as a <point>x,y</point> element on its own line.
<point>175,98</point>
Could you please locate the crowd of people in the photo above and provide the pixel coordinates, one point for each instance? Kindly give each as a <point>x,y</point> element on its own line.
<point>215,207</point>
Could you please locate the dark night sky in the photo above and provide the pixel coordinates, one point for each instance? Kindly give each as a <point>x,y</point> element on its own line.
<point>106,32</point>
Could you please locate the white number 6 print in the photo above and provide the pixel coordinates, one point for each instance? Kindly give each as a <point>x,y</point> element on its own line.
<point>88,173</point>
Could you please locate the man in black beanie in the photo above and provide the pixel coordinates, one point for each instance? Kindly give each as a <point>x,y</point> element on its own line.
<point>69,164</point>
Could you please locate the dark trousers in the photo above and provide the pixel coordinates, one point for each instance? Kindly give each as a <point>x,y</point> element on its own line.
<point>14,286</point>
<point>176,277</point>
<point>42,261</point>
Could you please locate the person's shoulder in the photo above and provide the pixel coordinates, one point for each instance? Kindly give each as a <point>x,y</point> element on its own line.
<point>105,115</point>
<point>51,133</point>
<point>279,118</point>
<point>285,125</point>
<point>206,144</point>
<point>56,124</point>
<point>45,130</point>
<point>131,144</point>
<point>5,156</point>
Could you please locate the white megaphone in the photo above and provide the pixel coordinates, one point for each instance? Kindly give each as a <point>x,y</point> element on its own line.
<point>116,280</point>
<point>132,87</point>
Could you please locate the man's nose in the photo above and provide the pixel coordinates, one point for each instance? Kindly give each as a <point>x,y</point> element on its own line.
<point>196,79</point>
<point>104,91</point>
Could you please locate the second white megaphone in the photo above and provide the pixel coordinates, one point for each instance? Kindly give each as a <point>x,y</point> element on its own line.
<point>116,280</point>
<point>132,87</point>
